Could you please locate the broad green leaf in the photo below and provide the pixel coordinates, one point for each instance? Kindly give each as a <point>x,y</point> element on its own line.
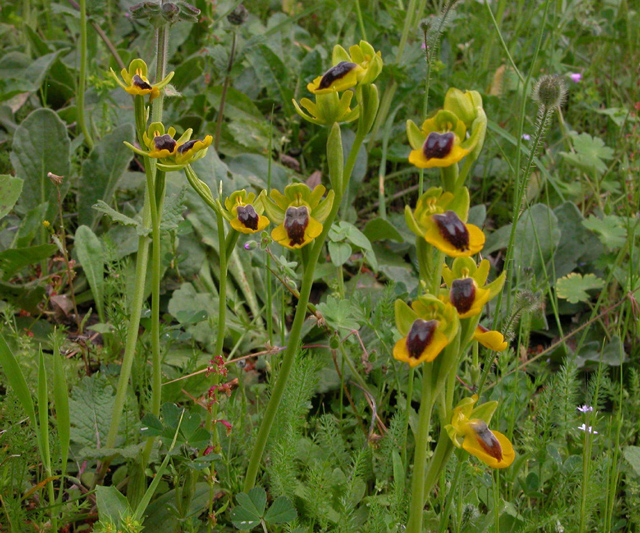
<point>112,504</point>
<point>15,378</point>
<point>339,314</point>
<point>20,74</point>
<point>15,259</point>
<point>574,287</point>
<point>610,230</point>
<point>590,154</point>
<point>101,172</point>
<point>161,515</point>
<point>379,229</point>
<point>31,225</point>
<point>10,189</point>
<point>632,455</point>
<point>91,256</point>
<point>340,252</point>
<point>41,145</point>
<point>272,74</point>
<point>281,512</point>
<point>250,508</point>
<point>25,297</point>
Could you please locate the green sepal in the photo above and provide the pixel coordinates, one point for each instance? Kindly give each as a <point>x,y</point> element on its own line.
<point>405,317</point>
<point>453,435</point>
<point>485,411</point>
<point>322,210</point>
<point>339,54</point>
<point>411,222</point>
<point>460,203</point>
<point>415,135</point>
<point>478,133</point>
<point>464,104</point>
<point>496,286</point>
<point>136,150</point>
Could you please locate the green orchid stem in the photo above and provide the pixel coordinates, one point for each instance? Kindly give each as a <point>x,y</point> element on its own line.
<point>296,328</point>
<point>83,75</point>
<point>226,245</point>
<point>438,461</point>
<point>420,460</point>
<point>162,49</point>
<point>156,277</point>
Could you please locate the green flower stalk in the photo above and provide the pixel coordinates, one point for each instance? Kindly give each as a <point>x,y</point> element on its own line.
<point>340,174</point>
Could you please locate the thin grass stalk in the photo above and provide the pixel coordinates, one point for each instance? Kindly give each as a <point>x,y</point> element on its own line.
<point>43,436</point>
<point>83,76</point>
<point>225,88</point>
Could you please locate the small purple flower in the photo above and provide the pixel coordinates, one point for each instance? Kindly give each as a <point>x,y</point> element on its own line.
<point>423,45</point>
<point>526,137</point>
<point>576,77</point>
<point>585,409</point>
<point>588,429</point>
<point>247,246</point>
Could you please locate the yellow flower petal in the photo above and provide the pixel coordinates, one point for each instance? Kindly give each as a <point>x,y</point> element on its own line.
<point>417,158</point>
<point>437,344</point>
<point>478,445</point>
<point>493,340</point>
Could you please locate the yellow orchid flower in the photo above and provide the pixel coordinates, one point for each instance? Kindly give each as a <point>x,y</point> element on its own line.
<point>439,142</point>
<point>173,153</point>
<point>493,340</point>
<point>299,213</point>
<point>469,430</point>
<point>427,327</point>
<point>361,65</point>
<point>244,212</point>
<point>467,290</point>
<point>136,81</point>
<point>440,217</point>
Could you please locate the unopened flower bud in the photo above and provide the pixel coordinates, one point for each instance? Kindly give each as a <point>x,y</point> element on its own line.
<point>170,12</point>
<point>550,91</point>
<point>463,104</point>
<point>238,15</point>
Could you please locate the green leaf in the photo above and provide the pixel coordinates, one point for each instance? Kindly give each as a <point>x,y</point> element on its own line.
<point>101,172</point>
<point>340,252</point>
<point>89,250</point>
<point>41,145</point>
<point>25,297</point>
<point>379,229</point>
<point>632,455</point>
<point>112,504</point>
<point>15,378</point>
<point>339,314</point>
<point>590,153</point>
<point>15,259</point>
<point>272,73</point>
<point>19,74</point>
<point>122,219</point>
<point>609,229</point>
<point>43,414</point>
<point>172,212</point>
<point>250,510</point>
<point>31,225</point>
<point>574,287</point>
<point>10,189</point>
<point>281,512</point>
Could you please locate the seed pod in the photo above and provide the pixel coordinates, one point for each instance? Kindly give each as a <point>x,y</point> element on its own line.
<point>238,16</point>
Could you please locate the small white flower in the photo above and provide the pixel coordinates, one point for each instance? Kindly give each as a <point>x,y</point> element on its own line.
<point>588,429</point>
<point>585,409</point>
<point>526,137</point>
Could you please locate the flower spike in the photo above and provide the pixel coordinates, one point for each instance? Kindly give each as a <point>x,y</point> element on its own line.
<point>469,430</point>
<point>136,82</point>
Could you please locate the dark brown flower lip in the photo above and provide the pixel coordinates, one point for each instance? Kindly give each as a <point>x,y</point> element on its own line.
<point>420,336</point>
<point>335,73</point>
<point>185,147</point>
<point>247,216</point>
<point>296,220</point>
<point>453,230</point>
<point>438,145</point>
<point>140,83</point>
<point>462,294</point>
<point>487,439</point>
<point>165,142</point>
